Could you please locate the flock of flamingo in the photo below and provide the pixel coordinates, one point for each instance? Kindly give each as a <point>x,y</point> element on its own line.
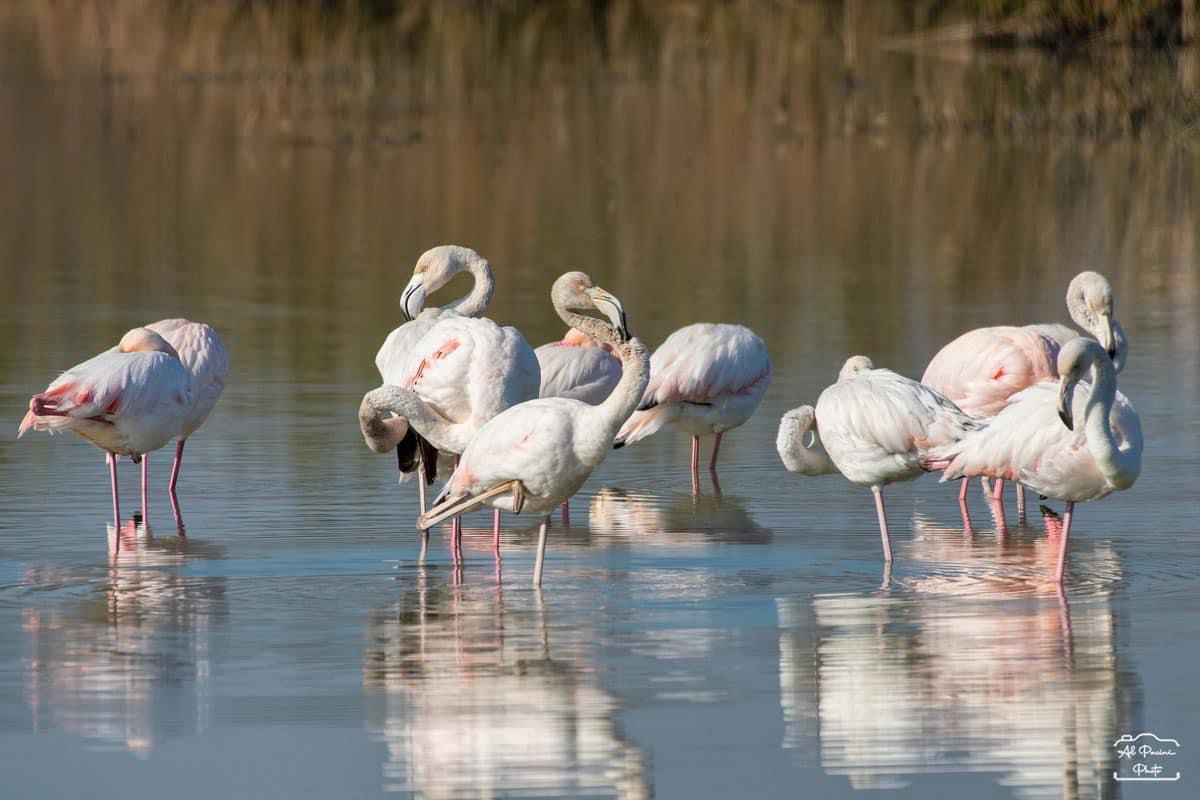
<point>520,430</point>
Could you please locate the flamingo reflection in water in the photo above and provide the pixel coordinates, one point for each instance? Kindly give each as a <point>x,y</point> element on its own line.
<point>476,694</point>
<point>973,668</point>
<point>133,665</point>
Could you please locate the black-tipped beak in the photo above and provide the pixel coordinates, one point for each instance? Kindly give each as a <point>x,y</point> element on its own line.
<point>608,304</point>
<point>413,297</point>
<point>1066,391</point>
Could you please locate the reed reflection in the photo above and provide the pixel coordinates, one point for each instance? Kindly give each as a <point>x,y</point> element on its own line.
<point>131,666</point>
<point>476,694</point>
<point>977,668</point>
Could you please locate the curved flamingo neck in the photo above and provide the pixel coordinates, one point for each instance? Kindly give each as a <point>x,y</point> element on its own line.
<point>1120,467</point>
<point>476,301</point>
<point>446,436</point>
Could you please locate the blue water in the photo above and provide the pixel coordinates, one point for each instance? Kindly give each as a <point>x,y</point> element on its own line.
<point>292,643</point>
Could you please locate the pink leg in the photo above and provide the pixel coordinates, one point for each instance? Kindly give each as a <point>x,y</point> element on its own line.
<point>883,528</point>
<point>145,492</point>
<point>566,513</point>
<point>175,466</point>
<point>1020,502</point>
<point>998,492</point>
<point>496,532</point>
<point>695,463</point>
<point>962,490</point>
<point>712,463</point>
<point>1061,571</point>
<point>112,473</point>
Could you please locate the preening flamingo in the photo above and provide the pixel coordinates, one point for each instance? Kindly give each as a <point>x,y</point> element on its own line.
<point>203,355</point>
<point>982,369</point>
<point>1036,439</point>
<point>874,423</point>
<point>538,453</point>
<point>799,444</point>
<point>462,373</point>
<point>434,269</point>
<point>578,368</point>
<point>127,401</point>
<point>705,378</point>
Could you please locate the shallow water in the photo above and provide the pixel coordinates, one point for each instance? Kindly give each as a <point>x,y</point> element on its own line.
<point>746,640</point>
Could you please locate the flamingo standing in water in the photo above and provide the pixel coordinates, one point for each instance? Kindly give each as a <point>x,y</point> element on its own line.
<point>981,370</point>
<point>127,401</point>
<point>203,355</point>
<point>705,378</point>
<point>1036,439</point>
<point>538,453</point>
<point>434,269</point>
<point>577,367</point>
<point>873,424</point>
<point>462,373</point>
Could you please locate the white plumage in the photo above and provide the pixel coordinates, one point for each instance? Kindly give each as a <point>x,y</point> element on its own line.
<point>203,355</point>
<point>538,453</point>
<point>1037,440</point>
<point>705,378</point>
<point>874,423</point>
<point>578,368</point>
<point>129,400</point>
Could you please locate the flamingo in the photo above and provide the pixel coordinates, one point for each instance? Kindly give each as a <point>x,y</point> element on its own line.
<point>579,368</point>
<point>434,269</point>
<point>462,373</point>
<point>982,369</point>
<point>203,355</point>
<point>873,424</point>
<point>799,444</point>
<point>1035,440</point>
<point>705,378</point>
<point>127,401</point>
<point>538,453</point>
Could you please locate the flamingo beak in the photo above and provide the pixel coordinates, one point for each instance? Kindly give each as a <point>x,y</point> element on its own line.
<point>608,304</point>
<point>1107,340</point>
<point>413,298</point>
<point>1066,393</point>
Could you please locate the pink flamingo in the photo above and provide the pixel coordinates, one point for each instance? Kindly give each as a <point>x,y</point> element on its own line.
<point>434,269</point>
<point>462,373</point>
<point>127,401</point>
<point>536,454</point>
<point>705,378</point>
<point>982,369</point>
<point>1035,439</point>
<point>578,367</point>
<point>203,355</point>
<point>872,425</point>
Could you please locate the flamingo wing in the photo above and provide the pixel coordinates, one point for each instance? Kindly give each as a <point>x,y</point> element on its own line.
<point>577,373</point>
<point>471,369</point>
<point>530,442</point>
<point>980,370</point>
<point>703,362</point>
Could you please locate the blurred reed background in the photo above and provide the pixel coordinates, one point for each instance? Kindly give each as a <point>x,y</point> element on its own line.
<point>868,161</point>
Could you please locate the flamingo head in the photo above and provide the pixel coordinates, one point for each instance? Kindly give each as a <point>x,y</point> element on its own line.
<point>575,291</point>
<point>855,365</point>
<point>144,340</point>
<point>382,429</point>
<point>1090,302</point>
<point>435,268</point>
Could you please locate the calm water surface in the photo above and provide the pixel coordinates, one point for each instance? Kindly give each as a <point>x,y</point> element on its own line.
<point>746,641</point>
